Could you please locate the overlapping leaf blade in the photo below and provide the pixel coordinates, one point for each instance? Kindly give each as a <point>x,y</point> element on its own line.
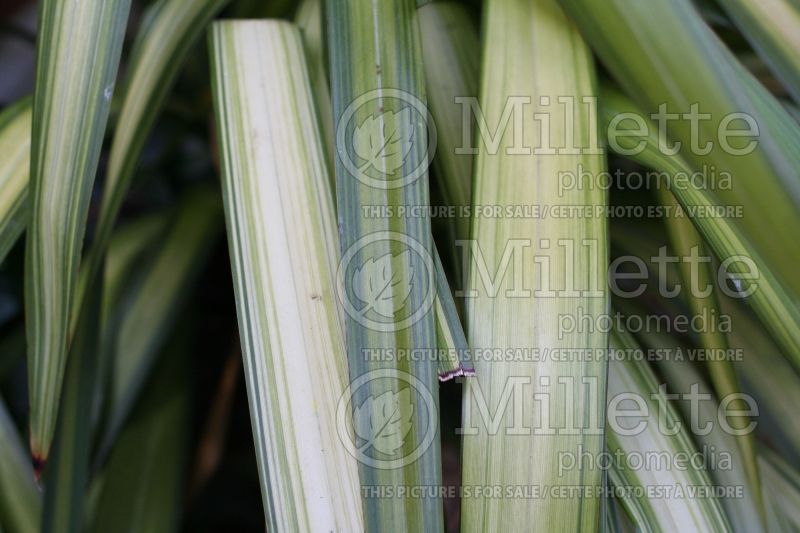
<point>773,28</point>
<point>282,245</point>
<point>668,509</point>
<point>382,145</point>
<point>666,58</point>
<point>77,58</point>
<point>769,294</point>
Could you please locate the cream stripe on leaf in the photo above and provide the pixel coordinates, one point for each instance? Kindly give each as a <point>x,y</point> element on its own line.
<point>282,242</point>
<point>78,54</point>
<point>539,271</point>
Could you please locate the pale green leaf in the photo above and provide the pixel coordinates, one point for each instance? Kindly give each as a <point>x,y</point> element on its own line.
<point>770,295</point>
<point>663,55</point>
<point>282,245</point>
<point>533,52</point>
<point>670,505</point>
<point>773,28</point>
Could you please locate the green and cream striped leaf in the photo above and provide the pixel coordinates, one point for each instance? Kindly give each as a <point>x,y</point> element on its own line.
<point>532,51</point>
<point>454,356</point>
<point>20,499</point>
<point>77,58</point>
<point>451,341</point>
<point>686,243</point>
<point>773,29</point>
<point>382,144</point>
<point>282,241</point>
<point>15,153</point>
<point>771,297</point>
<point>744,509</point>
<point>663,55</point>
<point>172,27</point>
<point>639,432</point>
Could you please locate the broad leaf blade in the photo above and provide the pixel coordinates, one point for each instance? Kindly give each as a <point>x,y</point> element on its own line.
<point>382,154</point>
<point>528,46</point>
<point>282,244</point>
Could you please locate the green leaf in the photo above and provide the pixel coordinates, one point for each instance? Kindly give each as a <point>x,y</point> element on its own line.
<point>533,52</point>
<point>20,499</point>
<point>77,58</point>
<point>382,147</point>
<point>686,241</point>
<point>451,54</point>
<point>455,358</point>
<point>772,29</point>
<point>744,510</point>
<point>309,19</point>
<point>173,27</point>
<point>142,481</point>
<point>66,476</point>
<point>662,54</point>
<point>782,486</point>
<point>282,242</point>
<point>771,297</point>
<point>769,378</point>
<point>384,421</point>
<point>15,147</point>
<point>146,314</point>
<point>641,435</point>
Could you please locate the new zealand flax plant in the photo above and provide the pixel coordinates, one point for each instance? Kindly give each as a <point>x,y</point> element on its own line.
<point>358,265</point>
